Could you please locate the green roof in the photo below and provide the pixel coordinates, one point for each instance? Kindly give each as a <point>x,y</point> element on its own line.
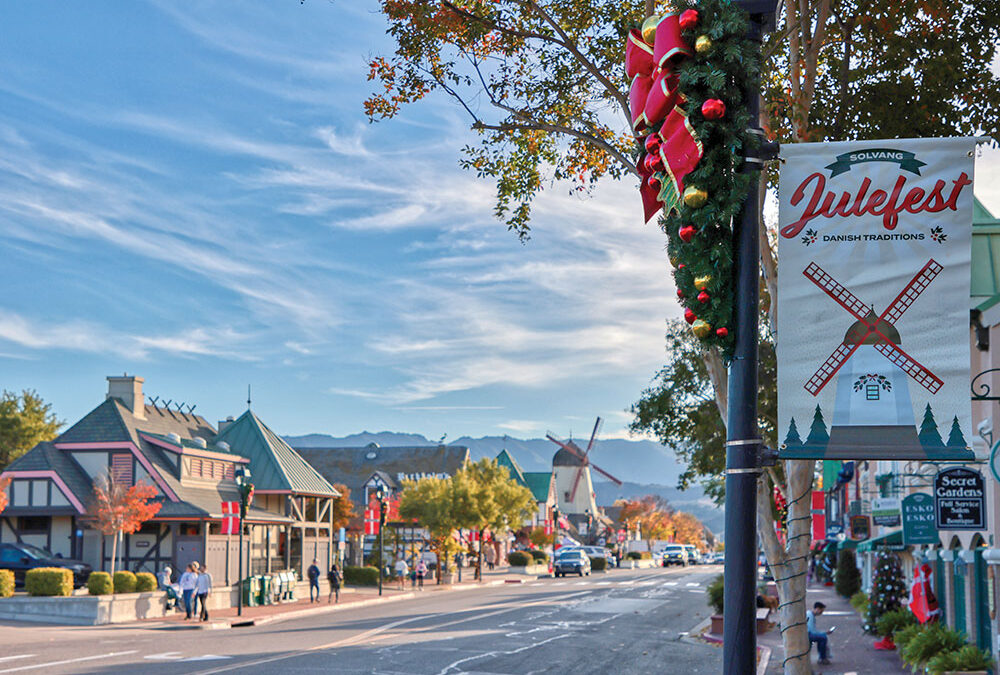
<point>894,538</point>
<point>985,257</point>
<point>539,482</point>
<point>274,465</point>
<point>505,460</point>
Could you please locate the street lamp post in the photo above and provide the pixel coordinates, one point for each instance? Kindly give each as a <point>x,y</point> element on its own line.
<point>381,497</point>
<point>245,486</point>
<point>555,537</point>
<point>743,443</point>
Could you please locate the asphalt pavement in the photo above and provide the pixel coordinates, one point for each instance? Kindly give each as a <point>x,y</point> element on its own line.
<point>621,621</point>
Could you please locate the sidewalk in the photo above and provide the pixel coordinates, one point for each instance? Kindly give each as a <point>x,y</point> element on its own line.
<point>350,597</point>
<point>851,650</point>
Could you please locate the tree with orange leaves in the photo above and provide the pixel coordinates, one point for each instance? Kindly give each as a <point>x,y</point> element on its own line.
<point>119,509</point>
<point>343,507</point>
<point>4,484</point>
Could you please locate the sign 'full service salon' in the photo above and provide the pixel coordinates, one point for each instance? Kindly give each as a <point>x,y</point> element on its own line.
<point>960,499</point>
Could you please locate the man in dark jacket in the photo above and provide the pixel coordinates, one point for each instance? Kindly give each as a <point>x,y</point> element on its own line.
<point>313,573</point>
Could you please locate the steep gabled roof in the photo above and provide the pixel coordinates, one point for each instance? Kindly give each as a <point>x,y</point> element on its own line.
<point>539,483</point>
<point>112,421</point>
<point>273,463</point>
<point>46,457</point>
<point>505,460</point>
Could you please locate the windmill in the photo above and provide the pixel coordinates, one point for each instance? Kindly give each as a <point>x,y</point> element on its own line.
<point>571,466</point>
<point>872,405</point>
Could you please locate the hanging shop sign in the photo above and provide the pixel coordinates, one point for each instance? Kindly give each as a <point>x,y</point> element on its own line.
<point>818,513</point>
<point>960,499</point>
<point>875,249</point>
<point>887,512</point>
<point>918,519</point>
<point>860,528</point>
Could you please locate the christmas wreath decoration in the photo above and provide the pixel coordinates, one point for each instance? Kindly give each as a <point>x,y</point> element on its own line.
<point>688,114</point>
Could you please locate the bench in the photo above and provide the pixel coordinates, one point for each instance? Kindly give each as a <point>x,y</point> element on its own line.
<point>763,622</point>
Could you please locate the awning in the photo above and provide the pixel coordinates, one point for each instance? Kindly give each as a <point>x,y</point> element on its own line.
<point>831,547</point>
<point>892,539</point>
<point>848,543</point>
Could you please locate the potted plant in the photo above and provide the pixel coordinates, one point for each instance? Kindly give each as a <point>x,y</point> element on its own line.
<point>933,640</point>
<point>889,623</point>
<point>715,600</point>
<point>969,660</point>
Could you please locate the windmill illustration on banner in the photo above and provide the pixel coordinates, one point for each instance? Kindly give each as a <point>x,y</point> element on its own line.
<point>571,466</point>
<point>872,405</point>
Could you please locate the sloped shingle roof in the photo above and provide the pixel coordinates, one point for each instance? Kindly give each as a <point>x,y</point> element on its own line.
<point>538,482</point>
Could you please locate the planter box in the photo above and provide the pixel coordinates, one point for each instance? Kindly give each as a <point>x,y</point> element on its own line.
<point>85,610</point>
<point>533,570</point>
<point>716,620</point>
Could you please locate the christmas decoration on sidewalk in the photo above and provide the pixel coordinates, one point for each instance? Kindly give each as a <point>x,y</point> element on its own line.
<point>689,71</point>
<point>888,591</point>
<point>923,603</point>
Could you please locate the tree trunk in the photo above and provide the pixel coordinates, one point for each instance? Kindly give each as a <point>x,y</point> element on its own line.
<point>114,552</point>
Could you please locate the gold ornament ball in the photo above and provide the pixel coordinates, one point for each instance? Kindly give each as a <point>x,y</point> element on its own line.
<point>695,197</point>
<point>701,282</point>
<point>649,29</point>
<point>673,261</point>
<point>703,44</point>
<point>701,329</point>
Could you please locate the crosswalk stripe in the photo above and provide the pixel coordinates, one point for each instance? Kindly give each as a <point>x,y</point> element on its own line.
<point>14,658</point>
<point>61,663</point>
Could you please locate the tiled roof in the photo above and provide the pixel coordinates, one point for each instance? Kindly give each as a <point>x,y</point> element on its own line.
<point>113,421</point>
<point>273,463</point>
<point>46,457</point>
<point>353,466</point>
<point>538,482</point>
<point>207,503</point>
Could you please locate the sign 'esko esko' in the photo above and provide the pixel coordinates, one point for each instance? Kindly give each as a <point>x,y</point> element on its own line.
<point>873,299</point>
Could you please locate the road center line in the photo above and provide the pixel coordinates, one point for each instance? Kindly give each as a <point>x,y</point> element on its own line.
<point>60,663</point>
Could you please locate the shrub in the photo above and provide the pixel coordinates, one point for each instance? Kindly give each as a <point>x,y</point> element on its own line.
<point>49,581</point>
<point>897,619</point>
<point>634,555</point>
<point>6,583</point>
<point>714,590</point>
<point>99,583</point>
<point>519,558</point>
<point>968,658</point>
<point>928,643</point>
<point>848,579</point>
<point>645,555</point>
<point>361,576</point>
<point>145,582</point>
<point>539,556</point>
<point>599,564</point>
<point>124,582</point>
<point>859,601</point>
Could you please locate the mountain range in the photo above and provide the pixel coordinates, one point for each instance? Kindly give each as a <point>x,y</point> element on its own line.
<point>644,467</point>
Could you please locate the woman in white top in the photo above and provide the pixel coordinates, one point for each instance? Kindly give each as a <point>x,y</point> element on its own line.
<point>402,570</point>
<point>188,582</point>
<point>203,587</point>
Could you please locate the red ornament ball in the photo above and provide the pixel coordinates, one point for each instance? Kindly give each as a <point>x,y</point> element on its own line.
<point>689,316</point>
<point>652,142</point>
<point>680,293</point>
<point>653,181</point>
<point>653,162</point>
<point>703,297</point>
<point>689,19</point>
<point>686,233</point>
<point>722,332</point>
<point>713,109</point>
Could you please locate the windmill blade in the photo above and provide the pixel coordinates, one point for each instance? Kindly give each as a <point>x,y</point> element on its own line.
<point>921,375</point>
<point>593,434</point>
<point>576,483</point>
<point>909,294</point>
<point>605,473</point>
<point>835,290</point>
<point>830,367</point>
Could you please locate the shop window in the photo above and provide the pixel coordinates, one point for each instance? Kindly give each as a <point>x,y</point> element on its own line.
<point>33,524</point>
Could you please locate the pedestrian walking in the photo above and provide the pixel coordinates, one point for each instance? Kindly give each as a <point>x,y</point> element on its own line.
<point>188,582</point>
<point>421,573</point>
<point>402,571</point>
<point>313,573</point>
<point>203,589</point>
<point>491,557</point>
<point>333,578</point>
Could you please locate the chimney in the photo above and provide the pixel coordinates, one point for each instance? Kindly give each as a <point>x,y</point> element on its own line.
<point>225,423</point>
<point>128,390</point>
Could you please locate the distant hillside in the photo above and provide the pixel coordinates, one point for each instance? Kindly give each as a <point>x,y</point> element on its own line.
<point>637,461</point>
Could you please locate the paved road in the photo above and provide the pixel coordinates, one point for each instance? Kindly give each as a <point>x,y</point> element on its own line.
<point>623,621</point>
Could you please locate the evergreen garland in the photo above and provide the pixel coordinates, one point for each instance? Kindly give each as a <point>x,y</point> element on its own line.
<point>721,71</point>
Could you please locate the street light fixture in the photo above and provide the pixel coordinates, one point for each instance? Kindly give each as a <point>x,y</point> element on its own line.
<point>246,488</point>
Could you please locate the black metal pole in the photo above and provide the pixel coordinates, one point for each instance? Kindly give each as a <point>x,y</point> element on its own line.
<point>739,641</point>
<point>239,576</point>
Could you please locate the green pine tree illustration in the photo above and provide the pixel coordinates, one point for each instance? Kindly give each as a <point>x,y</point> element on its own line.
<point>956,439</point>
<point>929,437</point>
<point>792,438</point>
<point>818,437</point>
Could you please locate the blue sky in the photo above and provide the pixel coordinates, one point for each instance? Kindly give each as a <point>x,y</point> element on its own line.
<point>191,192</point>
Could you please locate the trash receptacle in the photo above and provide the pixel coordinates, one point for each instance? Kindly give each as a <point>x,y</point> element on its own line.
<point>250,590</point>
<point>291,585</point>
<point>265,590</point>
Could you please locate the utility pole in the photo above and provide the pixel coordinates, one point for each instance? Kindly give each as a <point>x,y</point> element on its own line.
<point>380,496</point>
<point>743,443</point>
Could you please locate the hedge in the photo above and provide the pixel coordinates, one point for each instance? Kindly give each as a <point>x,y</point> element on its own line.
<point>361,576</point>
<point>6,583</point>
<point>714,591</point>
<point>519,559</point>
<point>124,582</point>
<point>599,564</point>
<point>99,583</point>
<point>49,581</point>
<point>634,555</point>
<point>145,582</point>
<point>539,556</point>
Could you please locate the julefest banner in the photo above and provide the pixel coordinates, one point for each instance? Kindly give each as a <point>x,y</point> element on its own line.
<point>873,299</point>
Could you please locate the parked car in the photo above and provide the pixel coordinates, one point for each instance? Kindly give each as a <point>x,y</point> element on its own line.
<point>600,552</point>
<point>694,557</point>
<point>574,561</point>
<point>19,558</point>
<point>674,554</point>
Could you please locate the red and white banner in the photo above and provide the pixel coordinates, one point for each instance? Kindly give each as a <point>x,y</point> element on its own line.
<point>548,526</point>
<point>371,520</point>
<point>873,299</point>
<point>818,515</point>
<point>230,517</point>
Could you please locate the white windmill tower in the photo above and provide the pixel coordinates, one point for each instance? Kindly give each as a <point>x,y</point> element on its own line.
<point>872,406</point>
<point>571,466</point>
